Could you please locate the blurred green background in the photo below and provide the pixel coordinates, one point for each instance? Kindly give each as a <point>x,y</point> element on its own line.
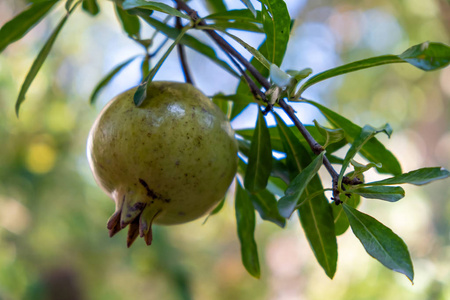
<point>53,238</point>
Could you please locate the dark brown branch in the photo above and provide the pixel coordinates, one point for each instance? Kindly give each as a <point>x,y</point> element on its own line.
<point>225,46</point>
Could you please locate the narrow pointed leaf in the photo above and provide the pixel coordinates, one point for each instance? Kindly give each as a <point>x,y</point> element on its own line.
<point>91,7</point>
<point>373,150</point>
<point>256,54</point>
<point>152,5</point>
<point>236,25</point>
<point>380,242</point>
<point>266,205</point>
<point>17,27</point>
<point>235,98</point>
<point>107,79</point>
<point>417,177</point>
<point>279,169</point>
<point>277,26</point>
<point>296,159</point>
<point>427,56</point>
<point>341,223</point>
<point>216,5</point>
<point>187,40</point>
<point>243,86</point>
<point>299,75</point>
<point>68,5</point>
<point>216,210</point>
<point>260,157</point>
<point>275,138</point>
<point>236,14</point>
<point>316,218</point>
<point>315,212</point>
<point>145,67</point>
<point>387,193</point>
<point>250,7</point>
<point>367,133</point>
<point>361,168</point>
<point>330,135</point>
<point>288,204</point>
<point>348,68</point>
<point>141,92</point>
<point>37,64</point>
<point>245,218</point>
<point>130,23</point>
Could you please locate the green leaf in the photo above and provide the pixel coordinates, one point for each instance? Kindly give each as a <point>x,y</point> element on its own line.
<point>361,168</point>
<point>245,218</point>
<point>216,210</point>
<point>152,5</point>
<point>260,157</point>
<point>380,242</point>
<point>145,66</point>
<point>107,79</point>
<point>387,193</point>
<point>341,223</point>
<point>316,218</point>
<point>236,98</point>
<point>36,66</point>
<point>224,105</point>
<point>315,212</point>
<point>276,186</point>
<point>427,56</point>
<point>187,40</point>
<point>236,25</point>
<point>256,54</point>
<point>130,23</point>
<point>417,177</point>
<point>291,145</point>
<point>291,200</point>
<point>141,92</point>
<point>276,140</point>
<point>330,136</point>
<point>68,5</point>
<point>17,27</point>
<point>335,160</point>
<point>277,26</point>
<point>367,133</point>
<point>91,7</point>
<point>243,86</point>
<point>216,5</point>
<point>279,169</point>
<point>373,150</point>
<point>266,205</point>
<point>250,7</point>
<point>236,14</point>
<point>300,74</point>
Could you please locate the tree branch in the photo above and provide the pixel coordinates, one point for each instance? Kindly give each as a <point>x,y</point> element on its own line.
<point>225,46</point>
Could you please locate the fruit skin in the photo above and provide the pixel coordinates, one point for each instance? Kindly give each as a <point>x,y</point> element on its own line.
<point>168,161</point>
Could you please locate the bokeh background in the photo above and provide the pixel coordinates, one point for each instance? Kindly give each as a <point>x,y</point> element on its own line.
<point>53,239</point>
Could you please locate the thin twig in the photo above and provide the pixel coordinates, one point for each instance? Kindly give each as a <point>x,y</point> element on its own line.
<point>182,56</point>
<point>251,84</point>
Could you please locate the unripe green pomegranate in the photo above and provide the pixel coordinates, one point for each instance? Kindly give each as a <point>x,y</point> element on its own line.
<point>168,161</point>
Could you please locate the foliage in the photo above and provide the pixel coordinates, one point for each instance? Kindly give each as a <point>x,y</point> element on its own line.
<point>298,169</point>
